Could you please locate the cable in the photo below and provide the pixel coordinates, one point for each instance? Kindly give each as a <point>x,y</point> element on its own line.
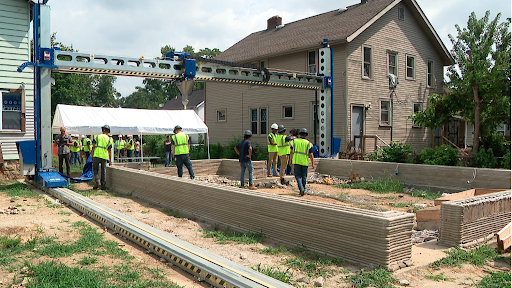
<point>474,176</point>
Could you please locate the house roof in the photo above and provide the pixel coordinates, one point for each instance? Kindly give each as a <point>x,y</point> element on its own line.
<point>338,26</point>
<point>194,99</point>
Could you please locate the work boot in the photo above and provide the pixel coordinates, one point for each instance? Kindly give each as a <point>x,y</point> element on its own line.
<point>95,187</point>
<point>282,181</point>
<point>301,192</point>
<point>252,187</point>
<point>103,187</point>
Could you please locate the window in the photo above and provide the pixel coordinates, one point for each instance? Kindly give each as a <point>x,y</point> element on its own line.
<point>12,115</point>
<point>385,112</point>
<point>258,120</point>
<point>430,74</point>
<point>410,67</point>
<point>392,64</point>
<point>417,107</point>
<point>401,13</point>
<point>287,111</point>
<point>221,115</point>
<point>312,62</point>
<point>367,62</point>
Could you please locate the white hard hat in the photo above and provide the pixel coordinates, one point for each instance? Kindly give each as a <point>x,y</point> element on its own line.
<point>83,136</point>
<point>120,136</point>
<point>274,126</point>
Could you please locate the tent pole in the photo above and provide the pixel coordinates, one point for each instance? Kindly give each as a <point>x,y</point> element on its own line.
<point>208,143</point>
<point>140,147</point>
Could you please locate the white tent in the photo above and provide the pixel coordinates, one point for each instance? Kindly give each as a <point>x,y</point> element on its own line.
<point>89,120</point>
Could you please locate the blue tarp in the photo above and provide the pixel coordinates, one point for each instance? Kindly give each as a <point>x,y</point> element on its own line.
<point>86,173</point>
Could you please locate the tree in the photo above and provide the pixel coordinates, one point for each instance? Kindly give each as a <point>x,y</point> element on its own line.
<point>479,81</point>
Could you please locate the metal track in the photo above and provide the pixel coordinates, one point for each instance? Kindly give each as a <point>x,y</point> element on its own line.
<point>204,265</point>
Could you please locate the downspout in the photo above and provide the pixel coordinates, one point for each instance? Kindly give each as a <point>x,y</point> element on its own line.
<point>332,105</point>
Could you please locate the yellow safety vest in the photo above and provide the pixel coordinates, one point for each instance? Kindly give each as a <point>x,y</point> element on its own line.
<point>180,143</point>
<point>283,146</point>
<point>129,145</point>
<point>75,147</point>
<point>300,148</point>
<point>119,144</point>
<point>272,148</point>
<point>102,145</point>
<point>86,142</point>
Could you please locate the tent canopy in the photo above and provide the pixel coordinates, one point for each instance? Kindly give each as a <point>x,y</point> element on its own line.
<point>89,120</point>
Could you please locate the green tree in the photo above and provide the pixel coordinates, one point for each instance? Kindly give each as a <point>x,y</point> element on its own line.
<point>479,81</point>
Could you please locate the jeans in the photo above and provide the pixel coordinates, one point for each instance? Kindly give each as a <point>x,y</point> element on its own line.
<point>137,155</point>
<point>96,162</point>
<point>184,159</point>
<point>75,158</point>
<point>64,157</point>
<point>301,175</point>
<point>168,158</point>
<point>130,154</point>
<point>243,166</point>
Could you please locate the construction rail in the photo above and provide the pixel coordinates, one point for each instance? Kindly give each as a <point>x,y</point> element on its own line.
<point>74,62</point>
<point>203,265</point>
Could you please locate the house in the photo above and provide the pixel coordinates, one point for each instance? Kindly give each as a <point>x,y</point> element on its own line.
<point>372,42</point>
<point>16,89</point>
<point>195,102</point>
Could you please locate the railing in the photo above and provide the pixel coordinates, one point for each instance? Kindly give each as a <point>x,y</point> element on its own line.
<point>363,141</point>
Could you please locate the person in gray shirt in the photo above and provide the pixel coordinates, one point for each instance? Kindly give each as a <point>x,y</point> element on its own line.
<point>63,141</point>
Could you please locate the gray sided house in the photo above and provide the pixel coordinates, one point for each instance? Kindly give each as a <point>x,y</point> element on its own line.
<point>16,89</point>
<point>370,40</point>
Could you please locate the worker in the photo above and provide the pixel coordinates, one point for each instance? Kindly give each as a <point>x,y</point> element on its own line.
<point>272,150</point>
<point>283,149</point>
<point>301,148</point>
<point>168,152</point>
<point>137,148</point>
<point>86,143</point>
<point>75,150</point>
<point>180,147</point>
<point>101,145</point>
<point>63,141</point>
<point>244,151</point>
<point>130,146</point>
<point>119,147</point>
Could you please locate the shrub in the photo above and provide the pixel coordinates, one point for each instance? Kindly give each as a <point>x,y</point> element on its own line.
<point>505,163</point>
<point>441,155</point>
<point>154,146</point>
<point>396,152</point>
<point>485,159</point>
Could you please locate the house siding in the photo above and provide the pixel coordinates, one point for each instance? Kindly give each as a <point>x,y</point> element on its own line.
<point>14,50</point>
<point>405,38</point>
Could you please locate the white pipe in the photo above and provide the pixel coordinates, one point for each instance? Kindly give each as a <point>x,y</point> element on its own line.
<point>208,141</point>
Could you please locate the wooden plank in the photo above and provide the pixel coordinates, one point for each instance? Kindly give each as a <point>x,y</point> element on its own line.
<point>504,238</point>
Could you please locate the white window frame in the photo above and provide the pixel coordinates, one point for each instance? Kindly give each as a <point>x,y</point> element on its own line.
<point>414,105</point>
<point>407,56</point>
<point>312,65</point>
<point>21,111</point>
<point>283,116</point>
<point>430,74</point>
<point>388,63</point>
<point>389,111</point>
<point>401,13</point>
<point>258,121</point>
<point>364,62</point>
<point>219,111</point>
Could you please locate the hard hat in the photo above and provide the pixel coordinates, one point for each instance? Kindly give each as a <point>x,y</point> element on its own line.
<point>129,136</point>
<point>120,136</point>
<point>83,136</point>
<point>74,135</point>
<point>177,127</point>
<point>106,127</point>
<point>303,131</point>
<point>281,128</point>
<point>247,133</point>
<point>274,126</point>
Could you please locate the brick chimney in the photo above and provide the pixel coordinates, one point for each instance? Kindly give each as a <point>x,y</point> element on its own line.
<point>274,21</point>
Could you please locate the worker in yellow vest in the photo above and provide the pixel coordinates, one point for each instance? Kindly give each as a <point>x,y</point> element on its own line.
<point>272,150</point>
<point>301,148</point>
<point>119,147</point>
<point>283,149</point>
<point>75,150</point>
<point>101,145</point>
<point>87,146</point>
<point>130,146</point>
<point>180,147</point>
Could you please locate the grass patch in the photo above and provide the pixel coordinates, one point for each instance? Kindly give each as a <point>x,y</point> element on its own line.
<point>438,277</point>
<point>175,214</point>
<point>425,194</point>
<point>458,256</point>
<point>17,189</point>
<point>145,211</point>
<point>232,237</point>
<point>275,251</point>
<point>378,278</point>
<point>401,204</point>
<point>380,186</point>
<point>276,273</point>
<point>495,280</point>
<point>86,260</point>
<point>67,213</point>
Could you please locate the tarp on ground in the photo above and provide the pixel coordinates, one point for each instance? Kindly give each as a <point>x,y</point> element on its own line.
<point>89,120</point>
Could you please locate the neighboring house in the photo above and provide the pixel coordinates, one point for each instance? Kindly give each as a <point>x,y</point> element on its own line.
<point>369,40</point>
<point>195,102</point>
<point>16,89</point>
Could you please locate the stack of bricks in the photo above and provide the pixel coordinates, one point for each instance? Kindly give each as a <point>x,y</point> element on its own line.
<point>356,235</point>
<point>478,218</point>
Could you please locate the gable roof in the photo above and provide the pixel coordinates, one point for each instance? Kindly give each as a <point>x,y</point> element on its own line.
<point>338,26</point>
<point>194,99</point>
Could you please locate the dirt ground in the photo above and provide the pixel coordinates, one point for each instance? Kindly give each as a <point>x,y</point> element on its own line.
<point>33,216</point>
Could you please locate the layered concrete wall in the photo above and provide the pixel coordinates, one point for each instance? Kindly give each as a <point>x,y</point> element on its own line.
<point>223,167</point>
<point>356,235</point>
<point>473,219</point>
<point>438,177</point>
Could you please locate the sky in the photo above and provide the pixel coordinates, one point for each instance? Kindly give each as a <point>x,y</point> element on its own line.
<point>135,28</point>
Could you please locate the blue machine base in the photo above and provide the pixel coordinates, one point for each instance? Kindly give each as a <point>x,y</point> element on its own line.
<point>51,179</point>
